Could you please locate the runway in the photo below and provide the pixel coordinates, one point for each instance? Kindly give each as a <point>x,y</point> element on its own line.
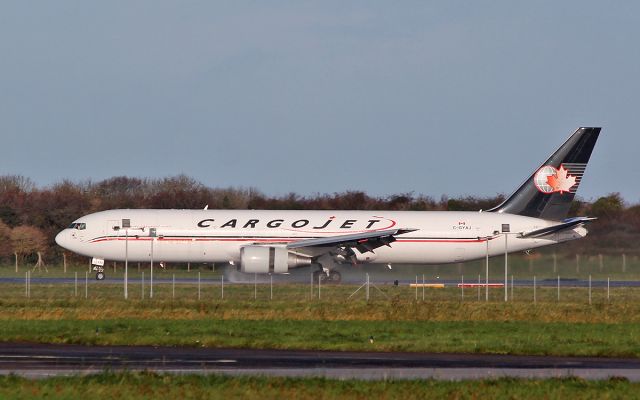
<point>42,360</point>
<point>349,280</point>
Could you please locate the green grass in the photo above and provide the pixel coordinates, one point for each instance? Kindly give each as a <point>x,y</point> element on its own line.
<point>153,386</point>
<point>296,319</point>
<point>105,301</point>
<point>461,337</point>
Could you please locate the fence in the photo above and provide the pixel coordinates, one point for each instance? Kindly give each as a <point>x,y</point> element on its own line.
<point>422,288</point>
<point>530,278</point>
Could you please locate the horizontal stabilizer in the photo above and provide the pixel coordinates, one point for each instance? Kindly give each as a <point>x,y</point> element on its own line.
<point>567,224</point>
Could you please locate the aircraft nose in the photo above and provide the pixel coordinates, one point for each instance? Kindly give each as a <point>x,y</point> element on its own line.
<point>62,239</point>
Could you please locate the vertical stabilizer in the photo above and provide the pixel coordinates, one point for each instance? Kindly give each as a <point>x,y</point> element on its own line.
<point>549,191</point>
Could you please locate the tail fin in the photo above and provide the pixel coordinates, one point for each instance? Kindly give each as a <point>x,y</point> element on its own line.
<point>549,191</point>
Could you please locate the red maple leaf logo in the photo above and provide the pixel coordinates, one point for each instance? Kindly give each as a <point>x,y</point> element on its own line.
<point>561,182</point>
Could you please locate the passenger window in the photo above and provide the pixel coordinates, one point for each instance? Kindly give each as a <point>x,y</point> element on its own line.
<point>82,226</point>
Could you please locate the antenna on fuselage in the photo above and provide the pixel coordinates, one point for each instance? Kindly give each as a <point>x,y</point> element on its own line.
<point>206,207</point>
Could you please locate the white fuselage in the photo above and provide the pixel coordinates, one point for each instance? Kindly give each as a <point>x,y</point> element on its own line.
<point>218,235</point>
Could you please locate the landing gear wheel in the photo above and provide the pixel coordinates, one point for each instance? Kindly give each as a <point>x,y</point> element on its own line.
<point>320,275</point>
<point>99,276</point>
<point>335,277</point>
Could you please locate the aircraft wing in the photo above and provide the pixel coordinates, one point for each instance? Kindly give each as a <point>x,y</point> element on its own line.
<point>363,242</point>
<point>566,224</point>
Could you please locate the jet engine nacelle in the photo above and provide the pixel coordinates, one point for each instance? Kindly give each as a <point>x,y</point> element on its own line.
<point>269,260</point>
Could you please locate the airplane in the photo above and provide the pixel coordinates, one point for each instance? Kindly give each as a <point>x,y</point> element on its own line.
<point>275,241</point>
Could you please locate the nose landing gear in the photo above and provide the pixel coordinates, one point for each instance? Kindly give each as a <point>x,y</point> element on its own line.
<point>98,266</point>
<point>99,272</point>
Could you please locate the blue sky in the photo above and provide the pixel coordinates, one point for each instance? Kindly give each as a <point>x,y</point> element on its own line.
<point>455,98</point>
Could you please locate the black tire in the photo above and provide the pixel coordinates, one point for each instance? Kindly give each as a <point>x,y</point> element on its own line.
<point>100,276</point>
<point>335,277</point>
<point>320,275</point>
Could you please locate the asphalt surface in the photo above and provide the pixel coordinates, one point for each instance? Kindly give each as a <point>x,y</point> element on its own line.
<point>565,283</point>
<point>41,360</point>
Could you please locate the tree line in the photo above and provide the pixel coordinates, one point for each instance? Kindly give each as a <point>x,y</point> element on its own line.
<point>31,216</point>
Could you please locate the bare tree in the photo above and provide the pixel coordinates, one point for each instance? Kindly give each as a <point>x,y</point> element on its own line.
<point>27,240</point>
<point>5,240</point>
<point>17,183</point>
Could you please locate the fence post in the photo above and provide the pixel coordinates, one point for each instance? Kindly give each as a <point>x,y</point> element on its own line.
<point>198,285</point>
<point>589,289</point>
<point>534,290</point>
<point>558,288</point>
<point>422,287</point>
<point>75,286</point>
<point>126,264</point>
<point>151,270</point>
<point>26,284</point>
<point>271,286</point>
<point>319,280</point>
<point>462,288</point>
<point>222,286</point>
<point>416,287</point>
<point>608,282</point>
<point>479,289</point>
<point>173,286</point>
<point>142,285</point>
<point>86,285</point>
<point>367,288</point>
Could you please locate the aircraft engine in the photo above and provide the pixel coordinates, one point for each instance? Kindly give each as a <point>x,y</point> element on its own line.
<point>267,260</point>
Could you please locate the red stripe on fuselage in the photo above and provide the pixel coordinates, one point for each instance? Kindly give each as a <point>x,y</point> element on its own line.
<point>213,239</point>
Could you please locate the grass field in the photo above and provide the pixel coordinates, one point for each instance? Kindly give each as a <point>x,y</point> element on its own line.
<point>492,337</point>
<point>291,316</point>
<point>151,386</point>
<point>295,318</point>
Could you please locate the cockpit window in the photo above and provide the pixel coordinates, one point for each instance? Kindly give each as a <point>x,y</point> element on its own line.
<point>78,225</point>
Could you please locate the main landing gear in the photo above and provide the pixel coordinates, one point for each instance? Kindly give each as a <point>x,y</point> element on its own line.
<point>330,276</point>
